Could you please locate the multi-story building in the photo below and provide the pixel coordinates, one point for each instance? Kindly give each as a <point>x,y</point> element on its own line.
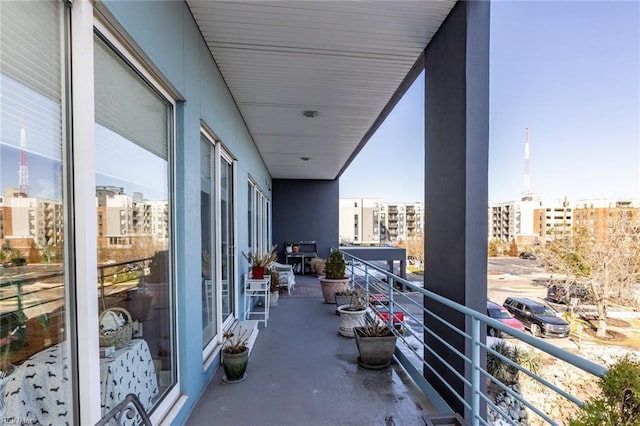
<point>30,221</point>
<point>368,221</point>
<point>553,220</point>
<point>536,222</point>
<point>600,215</point>
<point>359,221</point>
<point>514,221</point>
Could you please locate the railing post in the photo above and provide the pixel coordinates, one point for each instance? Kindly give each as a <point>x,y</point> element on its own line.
<point>475,371</point>
<point>390,290</point>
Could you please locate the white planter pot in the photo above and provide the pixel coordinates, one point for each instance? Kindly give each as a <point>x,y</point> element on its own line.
<point>350,319</point>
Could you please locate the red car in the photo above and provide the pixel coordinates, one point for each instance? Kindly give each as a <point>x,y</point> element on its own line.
<point>499,313</point>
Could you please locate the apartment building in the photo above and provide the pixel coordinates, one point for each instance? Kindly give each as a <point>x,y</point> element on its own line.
<point>371,222</point>
<point>30,221</point>
<point>536,222</point>
<point>514,220</point>
<point>600,215</point>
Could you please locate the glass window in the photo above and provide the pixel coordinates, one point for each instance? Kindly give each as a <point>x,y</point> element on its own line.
<point>209,325</point>
<point>35,353</point>
<point>133,128</point>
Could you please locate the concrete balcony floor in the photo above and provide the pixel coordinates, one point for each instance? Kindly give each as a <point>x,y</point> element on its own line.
<point>302,372</point>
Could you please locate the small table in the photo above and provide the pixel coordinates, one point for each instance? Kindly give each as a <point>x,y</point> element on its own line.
<point>256,287</point>
<point>308,250</point>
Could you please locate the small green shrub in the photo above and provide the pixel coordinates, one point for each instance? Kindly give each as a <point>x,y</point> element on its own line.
<point>335,266</point>
<point>619,401</point>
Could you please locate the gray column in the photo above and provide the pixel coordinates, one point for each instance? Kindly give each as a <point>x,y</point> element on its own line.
<point>456,163</point>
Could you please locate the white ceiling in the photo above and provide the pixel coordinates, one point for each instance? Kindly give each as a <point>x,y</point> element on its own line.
<point>344,59</point>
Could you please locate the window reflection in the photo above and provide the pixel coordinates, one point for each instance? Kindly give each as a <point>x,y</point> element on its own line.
<point>35,376</point>
<point>133,236</point>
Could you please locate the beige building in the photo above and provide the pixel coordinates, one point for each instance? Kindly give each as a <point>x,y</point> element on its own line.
<point>368,221</point>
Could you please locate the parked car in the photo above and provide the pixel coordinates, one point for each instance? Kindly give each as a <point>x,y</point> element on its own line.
<point>529,256</point>
<point>499,313</point>
<point>538,318</point>
<point>563,293</point>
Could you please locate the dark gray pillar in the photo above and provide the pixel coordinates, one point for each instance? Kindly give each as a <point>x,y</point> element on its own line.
<point>456,167</point>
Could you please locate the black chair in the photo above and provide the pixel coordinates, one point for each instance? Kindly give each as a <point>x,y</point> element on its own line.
<point>128,411</point>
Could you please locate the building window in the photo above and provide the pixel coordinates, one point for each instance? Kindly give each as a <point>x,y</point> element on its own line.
<point>33,142</point>
<point>138,269</point>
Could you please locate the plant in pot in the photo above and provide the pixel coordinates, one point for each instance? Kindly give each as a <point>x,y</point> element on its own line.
<point>376,344</point>
<point>343,297</point>
<point>259,262</point>
<point>334,279</point>
<point>235,356</point>
<point>353,314</point>
<point>274,287</point>
<point>317,265</point>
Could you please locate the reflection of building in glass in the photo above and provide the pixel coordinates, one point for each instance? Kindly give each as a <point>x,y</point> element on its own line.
<point>28,221</point>
<point>122,217</point>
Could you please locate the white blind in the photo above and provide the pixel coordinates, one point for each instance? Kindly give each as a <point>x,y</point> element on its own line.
<point>127,105</point>
<point>30,45</point>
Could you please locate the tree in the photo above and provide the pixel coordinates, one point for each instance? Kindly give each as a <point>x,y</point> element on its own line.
<point>492,249</point>
<point>610,264</point>
<point>513,248</point>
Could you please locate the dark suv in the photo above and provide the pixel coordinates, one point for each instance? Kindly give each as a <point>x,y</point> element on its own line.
<point>539,318</point>
<point>562,293</point>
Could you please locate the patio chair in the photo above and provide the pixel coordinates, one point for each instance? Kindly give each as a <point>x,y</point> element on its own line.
<point>286,277</point>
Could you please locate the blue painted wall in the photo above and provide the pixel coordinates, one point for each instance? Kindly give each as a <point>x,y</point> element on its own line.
<point>306,210</point>
<point>168,35</point>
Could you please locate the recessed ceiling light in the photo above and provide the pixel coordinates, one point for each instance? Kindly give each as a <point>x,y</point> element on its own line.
<point>310,113</point>
<point>305,158</point>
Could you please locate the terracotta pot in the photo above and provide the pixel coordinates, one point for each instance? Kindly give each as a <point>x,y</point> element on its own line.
<point>331,287</point>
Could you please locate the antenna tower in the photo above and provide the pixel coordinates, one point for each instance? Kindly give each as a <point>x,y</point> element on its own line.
<point>23,168</point>
<point>526,178</point>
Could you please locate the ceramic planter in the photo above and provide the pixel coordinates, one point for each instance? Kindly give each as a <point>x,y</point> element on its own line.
<point>350,318</point>
<point>257,272</point>
<point>274,296</point>
<point>331,287</point>
<point>342,300</point>
<point>375,352</point>
<point>235,366</point>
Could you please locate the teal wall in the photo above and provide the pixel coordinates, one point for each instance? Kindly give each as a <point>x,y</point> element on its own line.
<point>168,35</point>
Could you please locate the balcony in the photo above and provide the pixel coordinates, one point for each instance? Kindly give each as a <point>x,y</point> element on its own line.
<point>302,371</point>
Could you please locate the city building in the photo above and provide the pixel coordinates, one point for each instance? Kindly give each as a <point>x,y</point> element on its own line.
<point>600,216</point>
<point>515,221</point>
<point>369,221</point>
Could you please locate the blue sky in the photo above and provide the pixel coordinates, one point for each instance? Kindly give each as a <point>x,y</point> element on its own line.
<point>568,71</point>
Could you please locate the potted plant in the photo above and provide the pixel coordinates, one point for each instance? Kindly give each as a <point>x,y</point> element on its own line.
<point>376,343</point>
<point>259,262</point>
<point>235,356</point>
<point>334,279</point>
<point>274,287</point>
<point>343,297</point>
<point>353,314</point>
<point>317,265</point>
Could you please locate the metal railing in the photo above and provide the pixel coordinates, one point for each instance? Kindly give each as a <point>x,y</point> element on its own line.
<point>407,316</point>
